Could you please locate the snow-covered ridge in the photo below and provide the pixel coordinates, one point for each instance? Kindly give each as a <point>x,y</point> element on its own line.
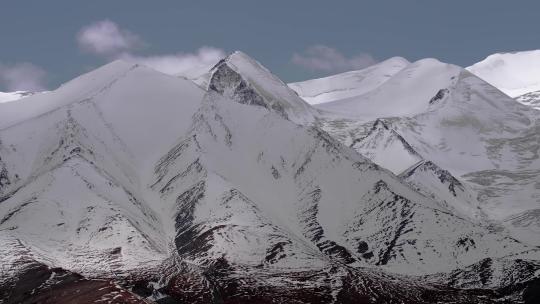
<point>461,123</point>
<point>406,93</point>
<point>515,73</point>
<point>348,84</point>
<point>246,81</point>
<point>441,185</point>
<point>208,196</point>
<point>387,148</point>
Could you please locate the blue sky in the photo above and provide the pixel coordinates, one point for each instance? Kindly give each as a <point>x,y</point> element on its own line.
<point>41,40</point>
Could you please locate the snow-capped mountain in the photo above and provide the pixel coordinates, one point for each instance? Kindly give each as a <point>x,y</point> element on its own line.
<point>246,81</point>
<point>467,127</point>
<point>514,73</point>
<point>349,84</point>
<point>387,148</point>
<point>443,187</point>
<point>422,80</point>
<point>457,121</point>
<point>137,186</point>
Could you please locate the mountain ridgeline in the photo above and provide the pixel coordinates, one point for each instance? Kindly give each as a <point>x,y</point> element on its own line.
<point>126,185</point>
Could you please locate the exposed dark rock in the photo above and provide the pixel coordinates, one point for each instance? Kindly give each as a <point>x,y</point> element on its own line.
<point>362,247</point>
<point>443,175</point>
<point>41,284</point>
<point>439,96</point>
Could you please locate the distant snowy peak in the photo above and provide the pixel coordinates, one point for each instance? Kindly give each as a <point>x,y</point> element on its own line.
<point>12,96</point>
<point>407,93</point>
<point>246,81</point>
<point>385,147</point>
<point>349,84</point>
<point>531,99</point>
<point>515,73</point>
<point>83,87</point>
<point>147,181</point>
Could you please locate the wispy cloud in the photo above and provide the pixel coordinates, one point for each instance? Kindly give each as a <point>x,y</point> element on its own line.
<point>106,38</point>
<point>23,76</point>
<point>184,64</point>
<point>327,59</point>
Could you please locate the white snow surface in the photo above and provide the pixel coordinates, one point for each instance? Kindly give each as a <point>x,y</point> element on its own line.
<point>348,84</point>
<point>439,184</point>
<point>387,148</point>
<point>123,167</point>
<point>459,122</point>
<point>515,73</point>
<point>420,81</point>
<point>250,82</point>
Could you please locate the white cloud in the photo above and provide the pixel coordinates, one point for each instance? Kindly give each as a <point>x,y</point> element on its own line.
<point>189,65</point>
<point>327,59</point>
<point>22,77</point>
<point>106,37</point>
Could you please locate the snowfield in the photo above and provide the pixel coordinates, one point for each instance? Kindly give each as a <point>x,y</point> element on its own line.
<point>349,84</point>
<point>235,189</point>
<point>514,73</point>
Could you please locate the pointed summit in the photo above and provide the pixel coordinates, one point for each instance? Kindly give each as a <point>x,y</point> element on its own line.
<point>385,147</point>
<point>82,87</point>
<point>439,184</point>
<point>246,81</point>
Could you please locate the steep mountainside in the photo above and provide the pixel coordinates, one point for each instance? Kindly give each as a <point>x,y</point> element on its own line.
<point>137,186</point>
<point>439,184</point>
<point>467,127</point>
<point>246,81</point>
<point>387,148</point>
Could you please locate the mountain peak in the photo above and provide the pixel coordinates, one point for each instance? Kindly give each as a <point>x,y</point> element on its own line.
<point>436,182</point>
<point>240,55</point>
<point>406,92</point>
<point>244,80</point>
<point>349,84</point>
<point>427,61</point>
<point>387,148</point>
<point>83,87</point>
<point>249,67</point>
<point>514,73</point>
<point>149,182</point>
<point>396,59</point>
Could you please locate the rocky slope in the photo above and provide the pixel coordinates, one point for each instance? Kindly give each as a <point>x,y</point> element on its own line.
<point>459,122</point>
<point>136,186</point>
